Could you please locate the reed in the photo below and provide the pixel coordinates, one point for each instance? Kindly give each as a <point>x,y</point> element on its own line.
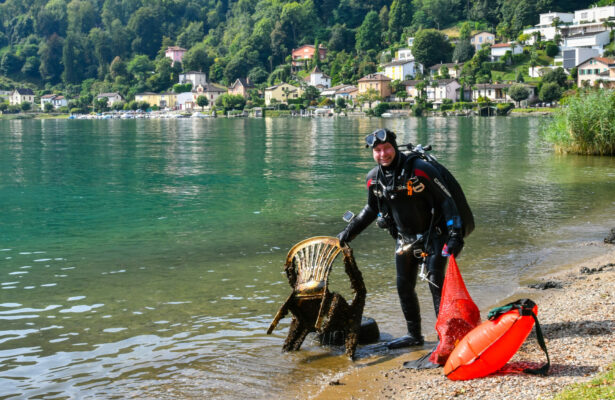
<point>585,124</point>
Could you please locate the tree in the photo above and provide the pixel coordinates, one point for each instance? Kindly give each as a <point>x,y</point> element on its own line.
<point>431,47</point>
<point>464,51</point>
<point>557,75</point>
<point>48,107</point>
<point>311,93</point>
<point>140,67</point>
<point>50,54</point>
<point>146,24</point>
<point>101,104</point>
<point>25,106</point>
<point>197,58</point>
<point>341,39</point>
<point>369,96</point>
<point>549,92</point>
<point>400,16</point>
<point>202,101</point>
<point>369,33</point>
<point>518,93</point>
<point>340,102</point>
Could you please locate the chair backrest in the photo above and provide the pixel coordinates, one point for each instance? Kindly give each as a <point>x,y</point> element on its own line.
<point>311,261</point>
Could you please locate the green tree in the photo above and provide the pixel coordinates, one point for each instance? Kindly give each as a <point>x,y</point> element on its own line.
<point>550,92</point>
<point>140,67</point>
<point>518,93</point>
<point>340,102</point>
<point>557,75</point>
<point>191,35</point>
<point>82,16</point>
<point>100,44</point>
<point>431,47</point>
<point>73,58</point>
<point>146,25</point>
<point>202,101</point>
<point>101,105</point>
<point>341,39</point>
<point>370,96</point>
<point>10,63</point>
<point>48,107</point>
<point>197,58</point>
<point>369,33</point>
<point>464,51</point>
<point>400,16</point>
<point>52,19</point>
<point>50,54</point>
<point>25,106</point>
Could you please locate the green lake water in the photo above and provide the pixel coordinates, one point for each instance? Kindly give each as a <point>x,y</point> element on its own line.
<point>143,258</point>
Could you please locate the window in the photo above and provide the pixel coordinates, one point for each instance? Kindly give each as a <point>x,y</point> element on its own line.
<point>480,40</point>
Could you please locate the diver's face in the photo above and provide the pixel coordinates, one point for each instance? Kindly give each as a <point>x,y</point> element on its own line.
<point>384,154</point>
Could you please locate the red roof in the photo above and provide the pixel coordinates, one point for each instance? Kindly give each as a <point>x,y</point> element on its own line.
<point>501,45</point>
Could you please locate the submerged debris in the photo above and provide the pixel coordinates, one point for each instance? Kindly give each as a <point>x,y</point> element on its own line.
<point>546,285</point>
<point>589,271</point>
<point>610,238</point>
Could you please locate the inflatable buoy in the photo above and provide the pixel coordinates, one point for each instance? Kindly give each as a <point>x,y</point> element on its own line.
<point>490,345</point>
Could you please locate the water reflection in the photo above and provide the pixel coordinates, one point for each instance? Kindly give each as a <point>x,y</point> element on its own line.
<point>145,257</point>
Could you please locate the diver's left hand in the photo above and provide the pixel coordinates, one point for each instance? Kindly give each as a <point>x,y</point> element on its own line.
<point>453,246</point>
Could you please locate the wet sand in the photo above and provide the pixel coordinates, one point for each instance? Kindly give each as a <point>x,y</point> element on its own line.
<point>578,322</point>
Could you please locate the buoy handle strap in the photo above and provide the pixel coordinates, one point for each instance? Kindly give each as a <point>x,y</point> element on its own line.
<point>526,308</point>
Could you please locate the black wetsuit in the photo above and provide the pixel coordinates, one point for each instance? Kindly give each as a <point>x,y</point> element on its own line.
<point>404,194</point>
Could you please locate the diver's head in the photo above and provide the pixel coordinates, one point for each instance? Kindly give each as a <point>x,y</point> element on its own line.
<point>384,146</point>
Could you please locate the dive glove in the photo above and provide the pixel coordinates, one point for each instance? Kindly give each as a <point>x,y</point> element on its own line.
<point>453,246</point>
<point>344,237</point>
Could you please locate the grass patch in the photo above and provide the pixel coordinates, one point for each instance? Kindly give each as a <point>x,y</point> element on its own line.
<point>601,387</point>
<point>534,110</point>
<point>585,124</point>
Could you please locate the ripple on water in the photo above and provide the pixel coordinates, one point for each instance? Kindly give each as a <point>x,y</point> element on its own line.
<point>81,308</point>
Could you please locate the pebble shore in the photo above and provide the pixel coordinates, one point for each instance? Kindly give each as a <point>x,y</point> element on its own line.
<point>577,317</point>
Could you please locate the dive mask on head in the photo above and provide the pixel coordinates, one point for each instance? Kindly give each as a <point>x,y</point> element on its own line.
<point>380,136</point>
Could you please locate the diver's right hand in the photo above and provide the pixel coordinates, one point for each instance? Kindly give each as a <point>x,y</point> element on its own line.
<point>344,237</point>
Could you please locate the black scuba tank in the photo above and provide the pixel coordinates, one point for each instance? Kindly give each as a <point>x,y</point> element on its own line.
<point>451,184</point>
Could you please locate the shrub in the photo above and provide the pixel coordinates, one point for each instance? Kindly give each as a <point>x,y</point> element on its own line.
<point>381,108</point>
<point>503,108</point>
<point>586,125</point>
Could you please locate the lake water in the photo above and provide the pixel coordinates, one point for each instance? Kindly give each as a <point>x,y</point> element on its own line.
<point>143,258</point>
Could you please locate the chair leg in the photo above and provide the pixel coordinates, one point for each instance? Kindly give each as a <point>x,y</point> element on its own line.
<point>296,335</point>
<point>352,338</point>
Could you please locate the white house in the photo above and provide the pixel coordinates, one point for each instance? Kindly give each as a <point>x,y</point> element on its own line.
<point>499,50</point>
<point>443,89</point>
<point>111,97</point>
<point>401,69</point>
<point>404,54</point>
<point>54,99</point>
<point>186,100</point>
<point>454,69</point>
<point>411,88</point>
<point>194,77</point>
<point>498,92</point>
<point>318,78</point>
<point>594,40</point>
<point>545,26</point>
<point>19,96</point>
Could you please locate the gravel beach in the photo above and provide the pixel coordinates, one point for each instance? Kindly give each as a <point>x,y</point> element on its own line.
<point>577,317</point>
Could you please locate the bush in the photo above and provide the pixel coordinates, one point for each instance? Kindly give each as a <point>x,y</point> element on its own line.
<point>447,104</point>
<point>586,125</point>
<point>503,108</point>
<point>551,50</point>
<point>381,108</point>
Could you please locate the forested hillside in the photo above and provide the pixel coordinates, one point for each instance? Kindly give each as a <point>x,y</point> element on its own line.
<point>118,45</point>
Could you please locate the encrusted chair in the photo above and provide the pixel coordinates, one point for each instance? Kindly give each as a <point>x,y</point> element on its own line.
<point>313,306</point>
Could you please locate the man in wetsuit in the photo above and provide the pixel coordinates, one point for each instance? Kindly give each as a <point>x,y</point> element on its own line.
<point>407,197</point>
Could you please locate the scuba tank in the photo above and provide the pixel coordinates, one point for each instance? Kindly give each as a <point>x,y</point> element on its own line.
<point>450,183</point>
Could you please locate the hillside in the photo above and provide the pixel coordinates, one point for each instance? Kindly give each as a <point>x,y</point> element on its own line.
<point>80,47</point>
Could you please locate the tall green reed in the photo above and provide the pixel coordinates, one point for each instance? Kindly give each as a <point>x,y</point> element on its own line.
<point>585,124</point>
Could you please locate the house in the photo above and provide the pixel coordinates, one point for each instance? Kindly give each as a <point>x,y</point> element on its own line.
<point>410,42</point>
<point>186,101</point>
<point>404,54</point>
<point>498,92</point>
<point>379,82</point>
<point>5,95</point>
<point>546,27</point>
<point>402,69</point>
<point>175,53</point>
<point>111,97</point>
<point>241,87</point>
<point>347,93</point>
<point>282,93</point>
<point>596,69</point>
<point>498,51</point>
<point>454,69</point>
<point>594,40</point>
<point>482,38</point>
<point>571,57</point>
<point>19,96</point>
<point>318,78</point>
<point>210,90</point>
<point>194,77</point>
<point>302,55</point>
<point>412,88</point>
<point>55,100</point>
<point>443,89</point>
<point>160,100</point>
<point>337,91</point>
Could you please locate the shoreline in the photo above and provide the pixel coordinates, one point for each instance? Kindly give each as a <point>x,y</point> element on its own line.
<point>578,322</point>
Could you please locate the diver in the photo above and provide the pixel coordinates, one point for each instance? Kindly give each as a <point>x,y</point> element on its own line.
<point>406,196</point>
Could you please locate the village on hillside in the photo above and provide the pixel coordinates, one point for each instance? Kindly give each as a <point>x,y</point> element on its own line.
<point>572,47</point>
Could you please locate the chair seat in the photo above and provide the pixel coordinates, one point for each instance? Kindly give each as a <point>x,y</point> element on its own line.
<point>311,288</point>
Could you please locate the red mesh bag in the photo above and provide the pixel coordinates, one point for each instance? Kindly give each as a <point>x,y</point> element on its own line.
<point>458,314</point>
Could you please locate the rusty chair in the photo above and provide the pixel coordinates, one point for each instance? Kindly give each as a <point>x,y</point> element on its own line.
<point>313,306</point>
